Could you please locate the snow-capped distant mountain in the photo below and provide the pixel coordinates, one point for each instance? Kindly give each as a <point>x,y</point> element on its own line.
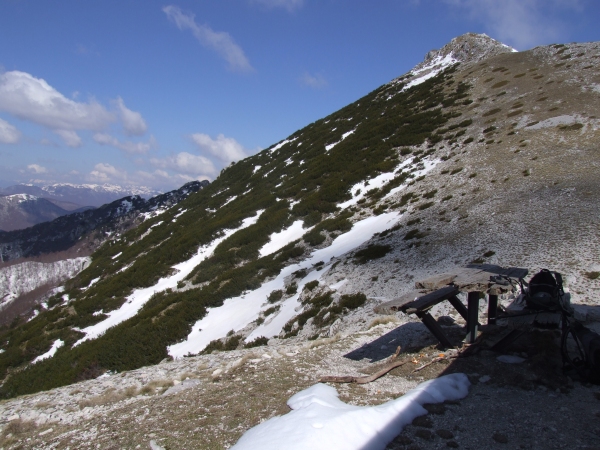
<point>65,231</point>
<point>81,194</point>
<point>25,210</point>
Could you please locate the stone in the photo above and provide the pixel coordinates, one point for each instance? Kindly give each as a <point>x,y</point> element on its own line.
<point>422,421</point>
<point>501,438</point>
<point>424,434</point>
<point>445,434</point>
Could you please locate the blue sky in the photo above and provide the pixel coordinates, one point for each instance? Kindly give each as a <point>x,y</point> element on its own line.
<point>157,93</point>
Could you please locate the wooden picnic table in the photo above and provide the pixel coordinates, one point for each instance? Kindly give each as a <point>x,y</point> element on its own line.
<point>476,280</point>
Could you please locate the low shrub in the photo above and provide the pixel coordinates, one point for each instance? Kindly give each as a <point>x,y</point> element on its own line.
<point>373,251</point>
<point>352,301</point>
<point>258,342</point>
<point>275,296</point>
<point>311,285</point>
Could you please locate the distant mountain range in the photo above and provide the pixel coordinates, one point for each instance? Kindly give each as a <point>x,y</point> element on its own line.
<point>62,194</point>
<point>68,228</point>
<point>20,211</point>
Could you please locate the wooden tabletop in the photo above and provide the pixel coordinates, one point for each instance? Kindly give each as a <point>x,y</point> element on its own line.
<point>486,278</point>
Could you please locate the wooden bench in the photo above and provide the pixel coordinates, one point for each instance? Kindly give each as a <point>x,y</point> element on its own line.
<point>474,279</point>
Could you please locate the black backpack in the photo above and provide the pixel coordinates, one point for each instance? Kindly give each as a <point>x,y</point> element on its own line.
<point>545,291</point>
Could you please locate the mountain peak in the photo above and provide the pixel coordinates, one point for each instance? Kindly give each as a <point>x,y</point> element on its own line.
<point>469,47</point>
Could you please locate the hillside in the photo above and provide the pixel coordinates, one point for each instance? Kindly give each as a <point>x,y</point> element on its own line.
<point>23,210</point>
<point>72,196</point>
<point>96,225</point>
<point>479,154</point>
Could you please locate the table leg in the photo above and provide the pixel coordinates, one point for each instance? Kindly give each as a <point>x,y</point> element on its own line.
<point>462,310</point>
<point>492,308</point>
<point>473,315</point>
<point>435,328</point>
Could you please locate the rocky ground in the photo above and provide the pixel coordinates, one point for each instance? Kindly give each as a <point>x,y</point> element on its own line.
<point>209,401</point>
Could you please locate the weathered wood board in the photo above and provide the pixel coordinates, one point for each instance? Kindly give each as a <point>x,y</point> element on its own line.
<point>476,278</point>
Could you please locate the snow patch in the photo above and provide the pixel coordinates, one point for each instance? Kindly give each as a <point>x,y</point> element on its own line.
<point>320,420</point>
<point>284,237</point>
<point>256,169</point>
<point>50,353</point>
<point>94,281</point>
<point>179,214</point>
<point>149,230</point>
<point>281,144</point>
<point>136,300</point>
<point>236,313</point>
<point>338,285</point>
<point>22,278</point>
<point>344,136</point>
<point>359,190</point>
<point>117,255</point>
<point>428,165</point>
<point>436,65</point>
<point>229,200</point>
<point>149,215</point>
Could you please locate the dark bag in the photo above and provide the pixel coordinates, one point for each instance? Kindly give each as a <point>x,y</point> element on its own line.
<point>545,291</point>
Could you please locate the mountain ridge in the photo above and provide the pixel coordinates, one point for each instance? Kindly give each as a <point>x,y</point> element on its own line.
<point>439,165</point>
<point>18,211</point>
<point>80,194</point>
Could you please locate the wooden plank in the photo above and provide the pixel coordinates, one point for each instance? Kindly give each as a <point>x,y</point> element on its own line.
<point>396,304</point>
<point>435,329</point>
<point>462,309</point>
<point>475,277</point>
<point>428,300</point>
<point>512,272</point>
<point>436,281</point>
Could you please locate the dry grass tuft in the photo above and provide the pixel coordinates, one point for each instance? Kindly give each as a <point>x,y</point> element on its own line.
<point>156,386</point>
<point>324,341</point>
<point>187,374</point>
<point>42,405</point>
<point>14,429</point>
<point>243,360</point>
<point>382,321</point>
<point>110,396</point>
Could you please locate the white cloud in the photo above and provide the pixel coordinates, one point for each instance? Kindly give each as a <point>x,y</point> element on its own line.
<point>30,98</point>
<point>132,121</point>
<point>290,5</point>
<point>69,137</point>
<point>218,41</point>
<point>105,173</point>
<point>162,178</point>
<point>33,99</point>
<point>186,163</point>
<point>314,81</point>
<point>8,133</point>
<point>224,148</point>
<point>35,168</point>
<point>127,146</point>
<point>520,23</point>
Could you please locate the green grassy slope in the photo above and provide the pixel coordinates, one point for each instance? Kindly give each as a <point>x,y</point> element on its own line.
<point>386,122</point>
